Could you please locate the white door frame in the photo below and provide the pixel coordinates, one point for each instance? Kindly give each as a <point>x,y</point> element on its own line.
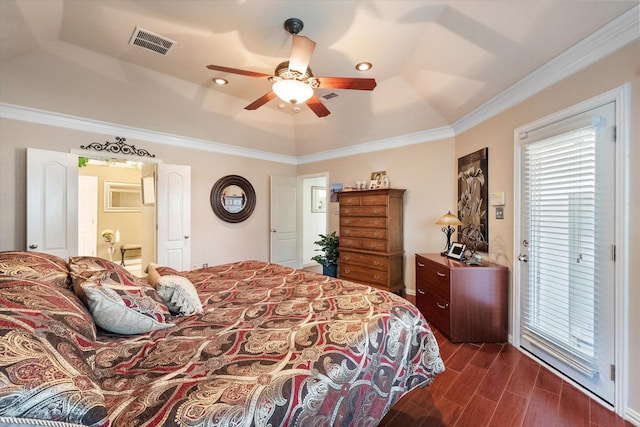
<point>301,208</point>
<point>621,96</point>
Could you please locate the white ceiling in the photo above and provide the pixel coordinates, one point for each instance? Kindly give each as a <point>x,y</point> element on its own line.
<point>434,61</point>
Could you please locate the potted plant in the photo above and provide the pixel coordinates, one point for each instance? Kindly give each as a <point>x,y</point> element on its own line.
<point>329,246</point>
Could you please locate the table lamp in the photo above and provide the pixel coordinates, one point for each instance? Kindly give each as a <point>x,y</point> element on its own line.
<point>448,220</point>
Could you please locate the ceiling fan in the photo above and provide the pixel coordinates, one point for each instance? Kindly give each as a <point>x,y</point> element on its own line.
<point>293,80</point>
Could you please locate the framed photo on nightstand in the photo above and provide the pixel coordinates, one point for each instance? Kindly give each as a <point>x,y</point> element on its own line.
<point>456,251</point>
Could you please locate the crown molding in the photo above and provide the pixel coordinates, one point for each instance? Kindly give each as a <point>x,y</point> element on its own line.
<point>598,45</point>
<point>381,144</point>
<point>50,118</point>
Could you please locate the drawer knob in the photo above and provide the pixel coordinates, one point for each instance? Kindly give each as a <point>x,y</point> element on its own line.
<point>376,262</point>
<point>376,277</point>
<point>420,264</point>
<point>440,274</point>
<point>420,291</point>
<point>346,221</point>
<point>441,306</point>
<point>347,270</point>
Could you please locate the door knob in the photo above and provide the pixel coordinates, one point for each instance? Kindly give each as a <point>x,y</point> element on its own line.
<point>186,237</point>
<point>273,230</point>
<point>523,258</point>
<point>33,246</point>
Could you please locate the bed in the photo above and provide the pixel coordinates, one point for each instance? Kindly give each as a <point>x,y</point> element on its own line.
<point>272,346</point>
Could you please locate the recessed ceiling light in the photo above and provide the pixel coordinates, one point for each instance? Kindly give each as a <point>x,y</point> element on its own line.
<point>364,66</point>
<point>220,81</point>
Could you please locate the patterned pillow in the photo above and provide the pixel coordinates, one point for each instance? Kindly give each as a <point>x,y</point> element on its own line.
<point>47,355</point>
<point>34,266</point>
<point>125,310</point>
<point>101,270</point>
<point>177,292</point>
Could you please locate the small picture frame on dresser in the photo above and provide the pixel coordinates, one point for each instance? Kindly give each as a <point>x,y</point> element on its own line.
<point>456,251</point>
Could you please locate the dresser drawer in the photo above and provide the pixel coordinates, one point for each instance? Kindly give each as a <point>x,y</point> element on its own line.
<point>437,279</point>
<point>374,200</point>
<point>364,260</point>
<point>362,243</point>
<point>375,222</point>
<point>378,211</point>
<point>349,200</point>
<point>435,310</point>
<point>363,274</point>
<point>370,233</point>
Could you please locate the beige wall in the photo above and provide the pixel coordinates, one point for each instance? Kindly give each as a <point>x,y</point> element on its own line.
<point>213,241</point>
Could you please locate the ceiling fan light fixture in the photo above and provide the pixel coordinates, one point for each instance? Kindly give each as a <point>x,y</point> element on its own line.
<point>292,91</point>
<point>364,66</point>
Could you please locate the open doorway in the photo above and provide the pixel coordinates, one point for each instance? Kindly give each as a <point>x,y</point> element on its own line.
<point>112,221</point>
<point>314,206</point>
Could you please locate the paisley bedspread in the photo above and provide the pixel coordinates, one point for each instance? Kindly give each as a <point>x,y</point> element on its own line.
<point>274,346</point>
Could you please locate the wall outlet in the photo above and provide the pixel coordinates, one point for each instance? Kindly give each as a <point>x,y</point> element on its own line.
<point>205,265</point>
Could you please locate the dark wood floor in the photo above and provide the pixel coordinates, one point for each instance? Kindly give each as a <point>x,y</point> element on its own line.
<point>494,384</point>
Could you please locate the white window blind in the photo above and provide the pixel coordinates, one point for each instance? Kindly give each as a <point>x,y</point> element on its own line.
<point>560,301</point>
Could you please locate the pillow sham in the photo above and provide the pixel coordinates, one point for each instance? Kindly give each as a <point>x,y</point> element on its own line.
<point>177,292</point>
<point>34,266</point>
<point>125,310</point>
<point>106,272</point>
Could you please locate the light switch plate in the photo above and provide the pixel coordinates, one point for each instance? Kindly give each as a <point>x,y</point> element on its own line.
<point>499,212</point>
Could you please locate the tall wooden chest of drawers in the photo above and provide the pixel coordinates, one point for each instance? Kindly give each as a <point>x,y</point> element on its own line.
<point>466,303</point>
<point>371,238</point>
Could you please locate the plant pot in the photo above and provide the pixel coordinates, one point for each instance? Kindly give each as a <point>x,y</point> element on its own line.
<point>330,270</point>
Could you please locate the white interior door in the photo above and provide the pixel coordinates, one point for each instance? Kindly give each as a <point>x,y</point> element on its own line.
<point>174,216</point>
<point>284,227</point>
<point>87,215</point>
<point>52,202</point>
<point>567,271</point>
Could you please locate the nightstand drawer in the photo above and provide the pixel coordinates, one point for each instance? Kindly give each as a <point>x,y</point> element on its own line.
<point>436,311</point>
<point>437,279</point>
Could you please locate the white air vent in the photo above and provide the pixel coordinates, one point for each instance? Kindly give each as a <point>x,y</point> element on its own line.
<point>151,41</point>
<point>330,95</point>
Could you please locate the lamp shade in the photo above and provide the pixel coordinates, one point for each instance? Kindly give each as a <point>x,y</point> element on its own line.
<point>293,91</point>
<point>449,219</point>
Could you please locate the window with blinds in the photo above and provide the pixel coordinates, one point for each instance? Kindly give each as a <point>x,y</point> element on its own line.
<point>559,306</point>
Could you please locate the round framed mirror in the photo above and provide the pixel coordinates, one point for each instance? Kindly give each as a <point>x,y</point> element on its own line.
<point>233,198</point>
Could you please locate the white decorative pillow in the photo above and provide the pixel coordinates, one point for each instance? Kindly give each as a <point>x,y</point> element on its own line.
<point>179,294</point>
<point>125,309</point>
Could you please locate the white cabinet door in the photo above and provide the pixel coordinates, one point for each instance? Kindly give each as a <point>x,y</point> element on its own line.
<point>174,216</point>
<point>52,202</point>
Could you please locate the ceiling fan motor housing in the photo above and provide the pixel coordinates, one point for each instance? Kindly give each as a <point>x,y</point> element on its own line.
<point>293,25</point>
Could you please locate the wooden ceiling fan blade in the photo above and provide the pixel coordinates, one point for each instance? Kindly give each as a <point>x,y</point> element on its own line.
<point>318,107</point>
<point>238,71</point>
<point>301,50</point>
<point>346,83</point>
<point>261,101</point>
